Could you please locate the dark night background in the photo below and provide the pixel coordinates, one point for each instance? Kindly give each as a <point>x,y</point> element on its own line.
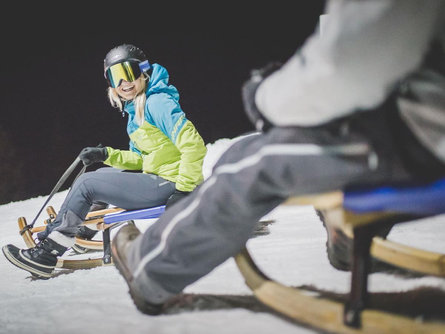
<point>54,94</point>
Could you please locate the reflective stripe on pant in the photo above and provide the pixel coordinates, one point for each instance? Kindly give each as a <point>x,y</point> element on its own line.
<point>250,179</point>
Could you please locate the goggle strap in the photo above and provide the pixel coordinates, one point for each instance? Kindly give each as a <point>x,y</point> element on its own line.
<point>144,66</point>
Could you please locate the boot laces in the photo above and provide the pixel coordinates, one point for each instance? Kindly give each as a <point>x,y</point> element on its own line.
<point>39,246</point>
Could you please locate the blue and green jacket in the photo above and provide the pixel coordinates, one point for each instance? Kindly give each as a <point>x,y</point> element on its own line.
<point>167,143</point>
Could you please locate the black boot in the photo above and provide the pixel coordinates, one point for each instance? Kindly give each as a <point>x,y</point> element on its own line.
<point>119,249</point>
<point>96,206</point>
<point>85,233</point>
<point>339,248</point>
<point>40,260</point>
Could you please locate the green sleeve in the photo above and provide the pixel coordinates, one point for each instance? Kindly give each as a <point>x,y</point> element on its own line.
<point>128,160</point>
<point>193,150</point>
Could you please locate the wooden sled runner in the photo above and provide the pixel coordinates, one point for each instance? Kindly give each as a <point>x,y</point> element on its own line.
<point>102,220</point>
<point>361,215</point>
<point>315,310</point>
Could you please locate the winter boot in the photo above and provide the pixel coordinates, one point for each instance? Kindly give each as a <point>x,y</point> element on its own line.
<point>339,248</point>
<point>86,233</point>
<point>98,206</point>
<point>40,260</point>
<point>120,250</point>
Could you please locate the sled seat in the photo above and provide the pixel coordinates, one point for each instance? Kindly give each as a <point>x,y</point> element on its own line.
<point>415,200</point>
<point>148,213</point>
<point>423,200</point>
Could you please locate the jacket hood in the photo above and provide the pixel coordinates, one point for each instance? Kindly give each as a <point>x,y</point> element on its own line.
<point>159,82</point>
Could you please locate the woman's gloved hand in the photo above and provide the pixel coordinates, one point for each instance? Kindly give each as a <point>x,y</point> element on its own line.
<point>248,92</point>
<point>91,155</point>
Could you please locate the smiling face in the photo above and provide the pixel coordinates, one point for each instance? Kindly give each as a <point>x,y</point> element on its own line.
<point>129,90</point>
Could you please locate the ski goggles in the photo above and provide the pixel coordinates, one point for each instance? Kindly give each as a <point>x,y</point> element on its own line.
<point>127,70</point>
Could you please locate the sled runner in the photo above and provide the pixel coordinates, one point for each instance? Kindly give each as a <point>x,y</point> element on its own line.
<point>102,220</point>
<point>362,215</point>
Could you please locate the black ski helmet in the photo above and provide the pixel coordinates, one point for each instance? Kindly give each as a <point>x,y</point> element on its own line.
<point>124,52</point>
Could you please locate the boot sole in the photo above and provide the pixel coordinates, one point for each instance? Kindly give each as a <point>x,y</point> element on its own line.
<point>23,266</point>
<point>83,250</point>
<point>140,303</point>
<point>119,265</point>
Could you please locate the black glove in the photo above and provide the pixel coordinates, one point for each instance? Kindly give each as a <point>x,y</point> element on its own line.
<point>248,92</point>
<point>176,196</point>
<point>90,155</point>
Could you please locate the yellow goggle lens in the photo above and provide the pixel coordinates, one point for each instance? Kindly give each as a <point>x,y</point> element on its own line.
<point>128,71</point>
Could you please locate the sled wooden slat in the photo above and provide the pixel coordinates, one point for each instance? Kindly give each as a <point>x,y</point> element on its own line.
<point>97,217</point>
<point>38,229</point>
<point>101,213</point>
<point>79,264</point>
<point>308,308</point>
<point>407,257</point>
<point>321,201</point>
<point>90,244</point>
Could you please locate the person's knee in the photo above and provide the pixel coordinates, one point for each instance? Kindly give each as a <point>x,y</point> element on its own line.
<point>86,183</point>
<point>81,180</point>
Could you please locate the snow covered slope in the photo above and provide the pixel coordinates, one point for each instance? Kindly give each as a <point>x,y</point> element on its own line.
<point>97,301</point>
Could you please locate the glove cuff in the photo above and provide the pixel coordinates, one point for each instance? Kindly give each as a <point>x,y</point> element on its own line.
<point>104,153</point>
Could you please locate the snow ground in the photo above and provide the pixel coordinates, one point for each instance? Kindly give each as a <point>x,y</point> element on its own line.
<point>96,300</point>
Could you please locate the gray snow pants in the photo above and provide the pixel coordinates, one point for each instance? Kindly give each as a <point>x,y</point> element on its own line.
<point>124,189</point>
<point>252,177</point>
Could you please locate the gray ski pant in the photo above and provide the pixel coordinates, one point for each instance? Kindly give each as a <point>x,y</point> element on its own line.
<point>124,189</point>
<point>252,177</point>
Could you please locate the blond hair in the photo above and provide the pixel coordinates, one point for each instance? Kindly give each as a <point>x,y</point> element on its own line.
<point>139,100</point>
